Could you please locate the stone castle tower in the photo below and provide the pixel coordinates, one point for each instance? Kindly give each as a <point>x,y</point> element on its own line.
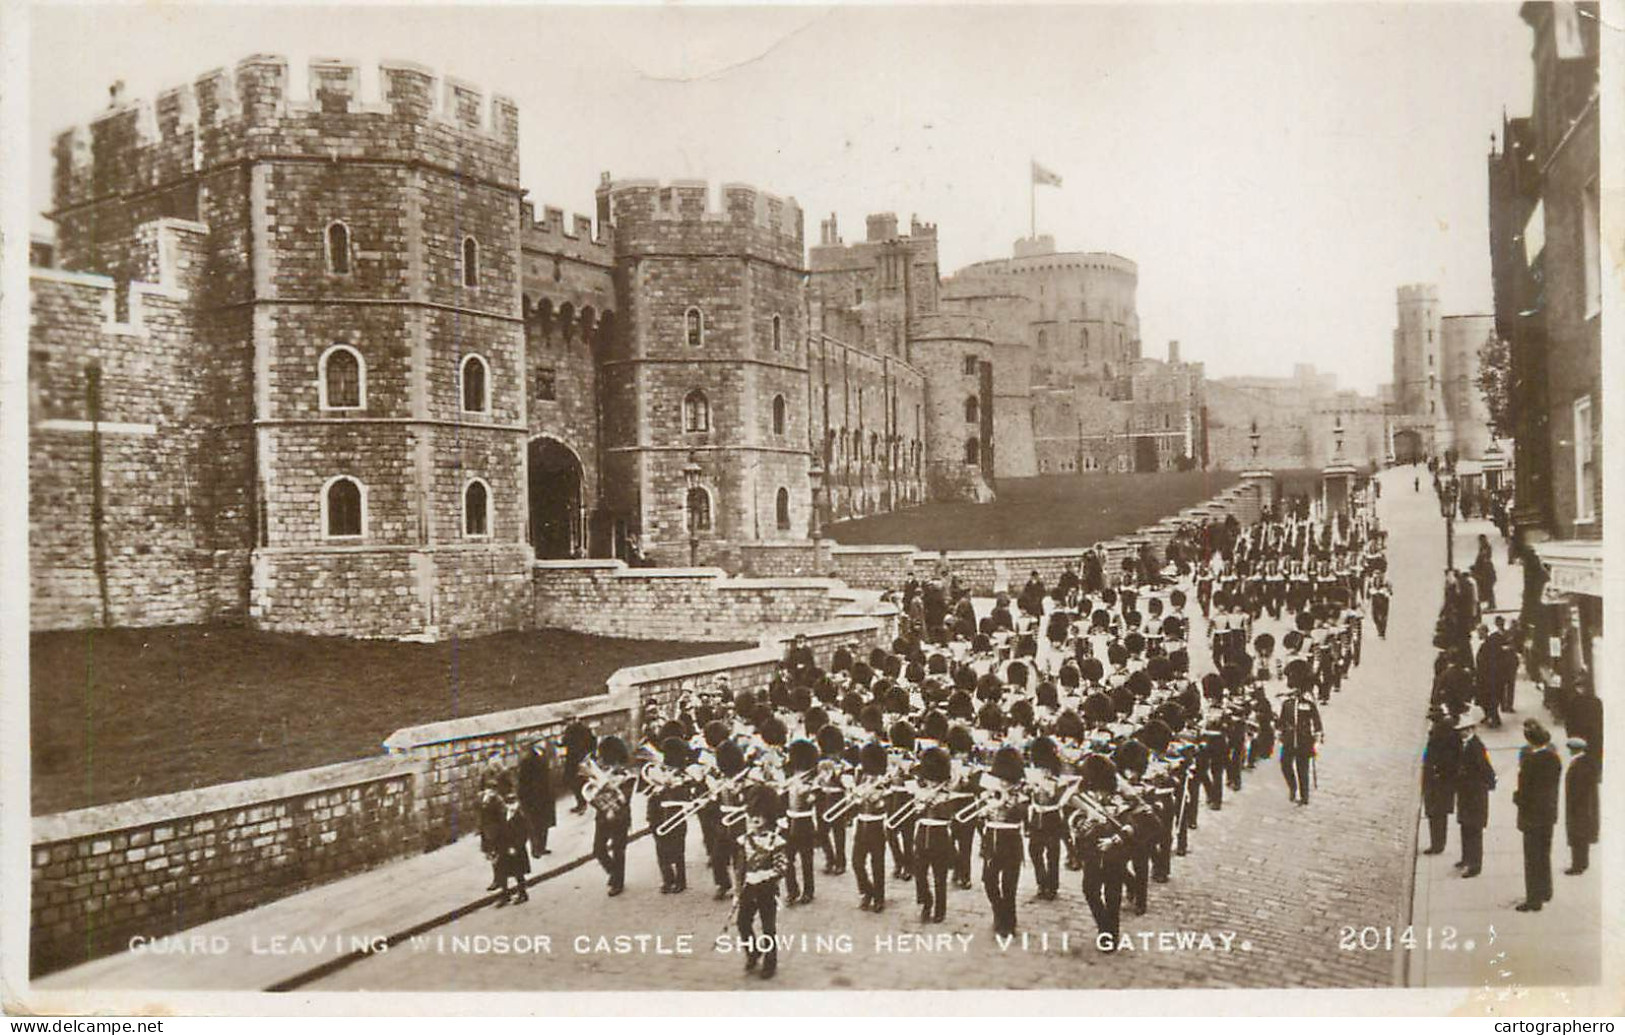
<point>1437,405</point>
<point>347,429</point>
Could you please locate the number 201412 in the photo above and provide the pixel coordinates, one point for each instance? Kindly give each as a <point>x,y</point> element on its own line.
<point>1374,939</point>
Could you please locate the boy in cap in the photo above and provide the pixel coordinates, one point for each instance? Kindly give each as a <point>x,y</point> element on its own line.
<point>762,861</point>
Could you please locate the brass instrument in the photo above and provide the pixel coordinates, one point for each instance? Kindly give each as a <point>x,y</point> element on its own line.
<point>678,818</point>
<point>852,800</point>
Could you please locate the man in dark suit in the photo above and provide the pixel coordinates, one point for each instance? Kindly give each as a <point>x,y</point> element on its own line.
<point>1441,761</point>
<point>1580,807</point>
<point>1487,678</point>
<point>535,779</point>
<point>1540,776</point>
<point>1475,779</point>
<point>1584,717</point>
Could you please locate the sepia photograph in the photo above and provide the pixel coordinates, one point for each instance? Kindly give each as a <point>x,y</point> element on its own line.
<point>1019,500</point>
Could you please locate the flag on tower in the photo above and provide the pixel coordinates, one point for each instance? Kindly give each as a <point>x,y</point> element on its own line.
<point>1042,177</point>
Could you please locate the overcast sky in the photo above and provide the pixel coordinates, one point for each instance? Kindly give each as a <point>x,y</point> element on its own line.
<point>1276,170</point>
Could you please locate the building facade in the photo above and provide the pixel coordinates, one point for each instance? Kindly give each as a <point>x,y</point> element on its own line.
<point>1546,260</point>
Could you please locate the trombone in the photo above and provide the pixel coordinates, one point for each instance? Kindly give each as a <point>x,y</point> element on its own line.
<point>678,818</point>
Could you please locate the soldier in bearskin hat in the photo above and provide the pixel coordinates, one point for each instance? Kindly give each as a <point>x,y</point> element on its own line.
<point>1005,806</point>
<point>670,792</point>
<point>900,836</point>
<point>1104,844</point>
<point>730,801</point>
<point>1300,730</point>
<point>934,807</point>
<point>801,799</point>
<point>831,791</point>
<point>869,787</point>
<point>1045,825</point>
<point>762,861</point>
<point>610,794</point>
<point>966,783</point>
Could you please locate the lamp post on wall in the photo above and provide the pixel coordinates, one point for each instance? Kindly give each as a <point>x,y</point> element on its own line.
<point>815,481</point>
<point>1449,493</point>
<point>691,478</point>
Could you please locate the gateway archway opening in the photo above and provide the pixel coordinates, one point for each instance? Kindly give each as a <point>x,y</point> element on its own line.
<point>556,527</point>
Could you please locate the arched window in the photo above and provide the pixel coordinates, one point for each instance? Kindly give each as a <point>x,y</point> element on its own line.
<point>341,379</point>
<point>344,508</point>
<point>338,248</point>
<point>779,414</point>
<point>694,328</point>
<point>874,446</point>
<point>699,510</point>
<point>973,410</point>
<point>778,333</point>
<point>476,384</point>
<point>477,509</point>
<point>471,262</point>
<point>696,411</point>
<point>973,450</point>
<point>781,510</point>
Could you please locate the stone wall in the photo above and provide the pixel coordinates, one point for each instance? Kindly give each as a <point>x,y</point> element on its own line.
<point>154,866</point>
<point>606,598</point>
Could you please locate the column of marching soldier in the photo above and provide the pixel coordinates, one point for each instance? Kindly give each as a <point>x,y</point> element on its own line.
<point>1076,736</point>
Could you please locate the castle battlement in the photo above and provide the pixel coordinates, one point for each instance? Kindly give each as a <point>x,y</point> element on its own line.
<point>1413,293</point>
<point>650,215</point>
<point>576,236</point>
<point>950,327</point>
<point>249,110</point>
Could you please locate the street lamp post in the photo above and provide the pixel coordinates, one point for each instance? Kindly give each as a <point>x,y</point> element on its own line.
<point>815,482</point>
<point>691,478</point>
<point>1449,492</point>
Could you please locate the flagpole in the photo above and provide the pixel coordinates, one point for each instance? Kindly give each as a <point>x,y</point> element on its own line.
<point>1032,202</point>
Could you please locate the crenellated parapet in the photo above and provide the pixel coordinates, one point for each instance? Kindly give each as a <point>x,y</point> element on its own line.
<point>249,111</point>
<point>574,237</point>
<point>650,217</point>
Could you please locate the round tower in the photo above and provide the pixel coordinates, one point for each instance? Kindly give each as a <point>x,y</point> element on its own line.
<point>706,392</point>
<point>955,354</point>
<point>1417,371</point>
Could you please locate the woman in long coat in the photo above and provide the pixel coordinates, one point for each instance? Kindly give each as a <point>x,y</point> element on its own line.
<point>536,794</point>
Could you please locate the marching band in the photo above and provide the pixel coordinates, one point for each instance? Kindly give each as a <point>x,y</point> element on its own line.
<point>1085,742</point>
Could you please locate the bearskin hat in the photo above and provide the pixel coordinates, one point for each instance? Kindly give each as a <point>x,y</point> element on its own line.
<point>675,752</point>
<point>935,766</point>
<point>961,706</point>
<point>1293,640</point>
<point>778,693</point>
<point>1156,735</point>
<point>1069,726</point>
<point>1139,684</point>
<point>915,672</point>
<point>1044,755</point>
<point>872,757</point>
<point>763,802</point>
<point>815,719</point>
<point>1177,599</point>
<point>744,703</point>
<point>1100,619</point>
<point>1173,627</point>
<point>802,755</point>
<point>1046,695</point>
<point>1263,643</point>
<point>1026,646</point>
<point>1135,643</point>
<point>872,719</point>
<point>992,718</point>
<point>1021,713</point>
<point>1007,765</point>
<point>964,678</point>
<point>841,661</point>
<point>826,691</point>
<point>960,740</point>
<point>897,700</point>
<point>1131,756</point>
<point>862,674</point>
<point>831,741</point>
<point>934,725</point>
<point>1234,675</point>
<point>1179,662</point>
<point>1159,669</point>
<point>877,658</point>
<point>772,730</point>
<point>1069,677</point>
<point>937,664</point>
<point>1092,669</point>
<point>716,731</point>
<point>1099,774</point>
<point>901,735</point>
<point>1016,673</point>
<point>1098,708</point>
<point>800,698</point>
<point>1299,675</point>
<point>1212,686</point>
<point>730,759</point>
<point>852,704</point>
<point>1305,622</point>
<point>1116,654</point>
<point>671,728</point>
<point>989,688</point>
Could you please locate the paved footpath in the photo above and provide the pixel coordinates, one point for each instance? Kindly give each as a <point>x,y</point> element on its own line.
<point>1560,945</point>
<point>1280,892</point>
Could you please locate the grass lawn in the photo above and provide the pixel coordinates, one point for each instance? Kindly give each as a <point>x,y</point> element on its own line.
<point>125,713</point>
<point>1033,513</point>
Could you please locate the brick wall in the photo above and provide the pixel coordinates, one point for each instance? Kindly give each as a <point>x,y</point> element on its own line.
<point>154,866</point>
<point>691,604</point>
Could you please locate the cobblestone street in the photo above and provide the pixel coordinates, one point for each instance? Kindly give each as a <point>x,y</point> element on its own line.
<point>1283,893</point>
